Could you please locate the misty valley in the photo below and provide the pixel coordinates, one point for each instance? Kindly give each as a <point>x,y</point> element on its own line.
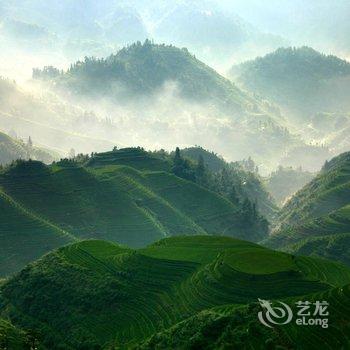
<point>174,175</point>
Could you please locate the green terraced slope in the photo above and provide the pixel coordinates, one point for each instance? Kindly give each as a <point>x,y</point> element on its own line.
<point>44,207</point>
<point>24,236</point>
<point>316,221</point>
<point>235,327</point>
<point>118,296</point>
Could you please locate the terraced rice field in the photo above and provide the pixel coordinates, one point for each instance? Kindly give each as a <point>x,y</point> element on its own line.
<point>112,202</point>
<point>132,294</point>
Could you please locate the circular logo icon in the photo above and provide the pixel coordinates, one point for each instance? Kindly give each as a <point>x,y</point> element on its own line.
<point>274,315</point>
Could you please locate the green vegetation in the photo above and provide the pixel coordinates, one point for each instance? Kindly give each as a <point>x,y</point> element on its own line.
<point>237,181</point>
<point>116,296</point>
<point>316,221</point>
<point>142,69</point>
<point>13,338</point>
<point>237,327</point>
<point>127,196</point>
<point>301,80</point>
<point>145,81</point>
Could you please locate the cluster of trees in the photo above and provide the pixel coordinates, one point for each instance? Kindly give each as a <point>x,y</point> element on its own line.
<point>47,73</point>
<point>226,183</point>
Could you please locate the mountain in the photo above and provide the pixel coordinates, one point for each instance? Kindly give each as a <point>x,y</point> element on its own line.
<point>143,69</point>
<point>117,296</point>
<point>126,196</point>
<point>11,149</point>
<point>216,36</point>
<point>312,91</point>
<point>322,24</point>
<point>285,182</point>
<point>163,95</point>
<point>316,221</point>
<point>301,80</point>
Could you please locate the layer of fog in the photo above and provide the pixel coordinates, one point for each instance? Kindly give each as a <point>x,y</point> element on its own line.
<point>161,121</point>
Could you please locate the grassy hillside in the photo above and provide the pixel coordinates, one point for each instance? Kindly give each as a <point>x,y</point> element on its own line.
<point>116,295</point>
<point>113,196</point>
<point>25,236</point>
<point>301,80</point>
<point>316,221</point>
<point>237,327</point>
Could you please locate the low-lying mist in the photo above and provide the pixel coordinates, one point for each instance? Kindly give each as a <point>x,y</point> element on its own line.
<point>163,120</point>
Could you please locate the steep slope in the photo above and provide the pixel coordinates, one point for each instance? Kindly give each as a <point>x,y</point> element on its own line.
<point>300,80</point>
<point>233,327</point>
<point>138,293</point>
<point>115,196</point>
<point>317,219</point>
<point>246,182</point>
<point>24,236</point>
<point>326,192</point>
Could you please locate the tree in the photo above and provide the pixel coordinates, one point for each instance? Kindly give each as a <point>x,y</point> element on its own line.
<point>182,167</point>
<point>177,157</point>
<point>200,171</point>
<point>30,142</point>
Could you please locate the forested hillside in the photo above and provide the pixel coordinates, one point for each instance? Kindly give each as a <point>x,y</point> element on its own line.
<point>143,69</point>
<point>237,181</point>
<point>301,80</point>
<point>312,91</point>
